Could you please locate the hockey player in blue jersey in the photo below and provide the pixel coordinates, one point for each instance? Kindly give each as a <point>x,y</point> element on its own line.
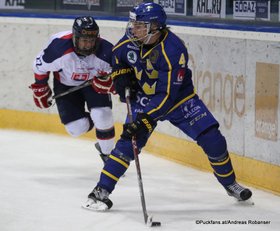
<point>75,57</point>
<point>162,89</point>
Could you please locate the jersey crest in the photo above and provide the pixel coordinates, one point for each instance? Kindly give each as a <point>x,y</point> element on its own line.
<point>132,57</point>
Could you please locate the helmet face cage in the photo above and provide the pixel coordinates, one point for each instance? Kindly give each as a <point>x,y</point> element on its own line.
<point>85,29</point>
<point>151,16</point>
<point>143,27</point>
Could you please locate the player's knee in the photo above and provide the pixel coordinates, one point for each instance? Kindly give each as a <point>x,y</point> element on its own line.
<point>102,117</point>
<point>78,127</point>
<point>213,143</point>
<point>104,124</point>
<point>106,134</point>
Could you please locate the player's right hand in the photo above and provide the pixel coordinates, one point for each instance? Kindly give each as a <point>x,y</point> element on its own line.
<point>103,84</point>
<point>41,95</point>
<point>124,77</point>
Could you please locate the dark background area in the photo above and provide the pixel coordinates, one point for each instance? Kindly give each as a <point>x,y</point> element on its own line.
<point>118,10</point>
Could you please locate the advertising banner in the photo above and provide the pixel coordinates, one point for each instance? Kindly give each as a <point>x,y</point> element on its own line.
<point>244,9</point>
<point>209,8</point>
<point>267,100</point>
<point>128,3</point>
<point>258,9</point>
<point>81,4</point>
<point>263,9</point>
<point>12,4</point>
<point>175,7</point>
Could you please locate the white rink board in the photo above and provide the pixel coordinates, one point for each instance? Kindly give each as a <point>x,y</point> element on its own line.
<point>224,67</point>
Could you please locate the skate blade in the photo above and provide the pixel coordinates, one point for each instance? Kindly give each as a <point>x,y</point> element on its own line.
<point>97,206</point>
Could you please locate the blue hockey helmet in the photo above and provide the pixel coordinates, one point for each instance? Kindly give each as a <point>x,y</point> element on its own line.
<point>150,15</point>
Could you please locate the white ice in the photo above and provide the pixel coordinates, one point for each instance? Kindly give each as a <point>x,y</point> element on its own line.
<point>45,178</point>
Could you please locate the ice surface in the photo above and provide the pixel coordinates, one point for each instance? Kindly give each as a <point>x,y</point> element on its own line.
<point>44,179</point>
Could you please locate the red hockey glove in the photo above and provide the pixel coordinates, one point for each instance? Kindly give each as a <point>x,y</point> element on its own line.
<point>103,84</point>
<point>41,94</point>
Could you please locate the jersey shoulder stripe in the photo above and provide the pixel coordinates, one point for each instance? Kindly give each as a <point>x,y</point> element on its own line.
<point>60,45</point>
<point>121,42</point>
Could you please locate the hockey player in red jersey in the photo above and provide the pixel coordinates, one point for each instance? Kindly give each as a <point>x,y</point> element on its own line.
<point>163,91</point>
<point>75,57</point>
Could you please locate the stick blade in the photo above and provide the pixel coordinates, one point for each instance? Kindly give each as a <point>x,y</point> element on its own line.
<point>156,224</point>
<point>151,223</point>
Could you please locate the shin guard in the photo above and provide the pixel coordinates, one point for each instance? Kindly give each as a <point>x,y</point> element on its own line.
<point>215,146</point>
<point>114,168</point>
<point>223,169</point>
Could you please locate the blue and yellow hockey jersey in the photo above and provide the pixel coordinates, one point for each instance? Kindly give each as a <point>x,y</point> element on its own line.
<point>161,71</point>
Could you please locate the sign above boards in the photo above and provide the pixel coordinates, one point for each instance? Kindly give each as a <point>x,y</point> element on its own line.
<point>209,8</point>
<point>174,7</point>
<point>12,4</point>
<point>251,10</point>
<point>80,4</point>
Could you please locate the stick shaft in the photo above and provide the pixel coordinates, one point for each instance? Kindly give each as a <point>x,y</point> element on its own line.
<point>73,89</point>
<point>136,158</point>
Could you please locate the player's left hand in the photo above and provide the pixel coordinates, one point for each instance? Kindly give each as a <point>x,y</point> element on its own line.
<point>142,126</point>
<point>103,84</point>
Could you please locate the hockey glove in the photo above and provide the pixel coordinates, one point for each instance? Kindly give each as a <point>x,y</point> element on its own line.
<point>142,126</point>
<point>41,95</point>
<point>124,77</point>
<point>103,84</point>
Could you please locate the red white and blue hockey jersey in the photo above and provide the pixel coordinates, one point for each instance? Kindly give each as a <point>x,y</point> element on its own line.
<point>69,68</point>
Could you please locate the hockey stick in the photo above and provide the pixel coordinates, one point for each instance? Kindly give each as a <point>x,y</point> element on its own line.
<point>73,89</point>
<point>148,219</point>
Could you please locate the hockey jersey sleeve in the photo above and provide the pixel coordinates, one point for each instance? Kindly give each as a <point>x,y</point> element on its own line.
<point>48,59</point>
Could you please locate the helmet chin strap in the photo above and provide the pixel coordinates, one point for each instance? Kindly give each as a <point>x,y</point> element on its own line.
<point>149,36</point>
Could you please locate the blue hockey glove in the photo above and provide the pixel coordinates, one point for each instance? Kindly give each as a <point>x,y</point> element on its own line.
<point>142,126</point>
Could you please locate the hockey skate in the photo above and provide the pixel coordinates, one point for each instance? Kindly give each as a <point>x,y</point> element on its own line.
<point>98,200</point>
<point>238,191</point>
<point>103,156</point>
